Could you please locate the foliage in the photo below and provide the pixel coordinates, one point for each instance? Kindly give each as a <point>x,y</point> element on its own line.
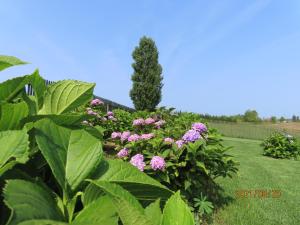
<point>147,79</point>
<point>282,146</point>
<point>52,168</point>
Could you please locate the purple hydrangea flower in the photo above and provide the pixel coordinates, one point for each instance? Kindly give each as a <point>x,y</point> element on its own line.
<point>139,122</point>
<point>138,161</point>
<point>115,135</point>
<point>96,101</point>
<point>133,137</point>
<point>191,136</point>
<point>149,121</point>
<point>169,140</point>
<point>125,135</point>
<point>147,136</point>
<point>200,127</point>
<point>179,143</point>
<point>110,113</point>
<point>159,123</point>
<point>91,112</point>
<point>157,163</point>
<point>123,153</point>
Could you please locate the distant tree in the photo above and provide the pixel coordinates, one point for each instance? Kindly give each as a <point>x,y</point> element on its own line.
<point>294,118</point>
<point>147,78</point>
<point>251,116</point>
<point>273,119</point>
<point>282,119</point>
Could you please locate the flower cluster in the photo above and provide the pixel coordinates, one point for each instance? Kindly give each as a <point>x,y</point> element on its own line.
<point>138,161</point>
<point>96,102</point>
<point>191,136</point>
<point>157,163</point>
<point>133,138</point>
<point>123,153</point>
<point>138,122</point>
<point>149,121</point>
<point>159,124</point>
<point>169,140</point>
<point>125,135</point>
<point>91,112</point>
<point>115,135</point>
<point>147,136</point>
<point>200,127</point>
<point>179,143</point>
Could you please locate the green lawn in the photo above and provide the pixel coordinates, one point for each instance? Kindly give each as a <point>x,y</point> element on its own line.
<point>257,172</point>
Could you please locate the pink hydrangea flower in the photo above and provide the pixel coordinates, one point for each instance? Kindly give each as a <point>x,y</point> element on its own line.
<point>169,140</point>
<point>149,121</point>
<point>138,161</point>
<point>115,135</point>
<point>191,136</point>
<point>147,136</point>
<point>133,137</point>
<point>200,127</point>
<point>96,101</point>
<point>159,123</point>
<point>179,143</point>
<point>125,135</point>
<point>139,122</point>
<point>110,113</point>
<point>123,153</point>
<point>111,117</point>
<point>91,112</point>
<point>157,163</point>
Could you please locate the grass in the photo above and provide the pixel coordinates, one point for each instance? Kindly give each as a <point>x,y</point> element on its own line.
<point>257,172</point>
<point>255,131</point>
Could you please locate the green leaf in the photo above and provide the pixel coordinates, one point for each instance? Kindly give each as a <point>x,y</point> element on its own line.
<point>29,200</point>
<point>153,212</point>
<point>8,61</point>
<point>101,211</point>
<point>10,88</point>
<point>65,96</point>
<point>39,86</point>
<point>201,166</point>
<point>176,212</point>
<point>71,154</point>
<point>14,146</point>
<point>12,114</point>
<point>129,209</point>
<point>129,177</point>
<point>42,222</point>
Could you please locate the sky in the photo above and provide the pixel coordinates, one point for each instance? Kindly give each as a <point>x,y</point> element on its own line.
<point>218,57</point>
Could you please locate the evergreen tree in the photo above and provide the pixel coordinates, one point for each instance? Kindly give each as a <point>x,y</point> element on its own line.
<point>147,78</point>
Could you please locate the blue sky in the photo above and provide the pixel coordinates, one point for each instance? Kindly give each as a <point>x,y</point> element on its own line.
<point>218,57</point>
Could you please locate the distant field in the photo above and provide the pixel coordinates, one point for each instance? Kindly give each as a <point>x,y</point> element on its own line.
<point>255,131</point>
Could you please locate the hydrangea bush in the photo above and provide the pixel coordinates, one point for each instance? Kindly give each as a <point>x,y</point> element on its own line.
<point>176,149</point>
<point>280,145</point>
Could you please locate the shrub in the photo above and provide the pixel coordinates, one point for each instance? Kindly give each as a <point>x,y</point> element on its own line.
<point>282,146</point>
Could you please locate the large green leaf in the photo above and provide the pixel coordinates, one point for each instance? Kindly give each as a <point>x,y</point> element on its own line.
<point>42,222</point>
<point>101,211</point>
<point>12,114</point>
<point>71,154</point>
<point>8,61</point>
<point>39,86</point>
<point>129,177</point>
<point>153,212</point>
<point>29,200</point>
<point>65,96</point>
<point>176,212</point>
<point>10,88</point>
<point>14,147</point>
<point>129,209</point>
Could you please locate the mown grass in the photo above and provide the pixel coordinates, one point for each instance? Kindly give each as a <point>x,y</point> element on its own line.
<point>257,172</point>
<point>255,131</point>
